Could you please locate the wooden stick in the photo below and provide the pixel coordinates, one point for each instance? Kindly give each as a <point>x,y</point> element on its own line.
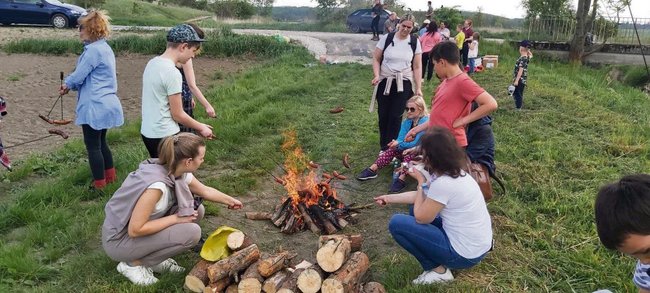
<point>319,216</point>
<point>258,215</point>
<point>197,278</point>
<point>273,264</point>
<point>234,263</point>
<point>279,211</point>
<point>307,219</point>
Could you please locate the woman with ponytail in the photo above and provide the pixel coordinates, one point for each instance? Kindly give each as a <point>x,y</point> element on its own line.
<point>98,107</point>
<point>152,216</point>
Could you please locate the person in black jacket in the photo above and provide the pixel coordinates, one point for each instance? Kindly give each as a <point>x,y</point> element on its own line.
<point>480,142</point>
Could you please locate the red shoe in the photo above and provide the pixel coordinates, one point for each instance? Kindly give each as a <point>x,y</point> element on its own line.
<point>4,160</point>
<point>110,175</point>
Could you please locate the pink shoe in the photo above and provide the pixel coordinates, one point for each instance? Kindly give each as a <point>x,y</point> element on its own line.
<point>4,160</point>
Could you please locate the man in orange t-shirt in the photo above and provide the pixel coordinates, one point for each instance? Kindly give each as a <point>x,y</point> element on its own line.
<point>452,100</point>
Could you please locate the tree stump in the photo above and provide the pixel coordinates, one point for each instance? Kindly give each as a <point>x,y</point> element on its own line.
<point>251,280</point>
<point>238,240</point>
<point>311,279</point>
<point>197,278</point>
<point>233,264</point>
<point>333,254</point>
<point>347,278</point>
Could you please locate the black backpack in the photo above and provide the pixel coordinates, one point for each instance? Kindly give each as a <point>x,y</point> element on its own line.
<point>389,41</point>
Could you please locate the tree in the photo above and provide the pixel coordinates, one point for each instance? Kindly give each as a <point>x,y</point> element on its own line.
<point>547,8</point>
<point>478,17</point>
<point>264,7</point>
<point>577,48</point>
<point>325,9</point>
<point>450,15</point>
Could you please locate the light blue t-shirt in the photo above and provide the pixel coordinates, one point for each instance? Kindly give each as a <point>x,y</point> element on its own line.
<point>95,80</point>
<point>160,80</point>
<point>642,276</point>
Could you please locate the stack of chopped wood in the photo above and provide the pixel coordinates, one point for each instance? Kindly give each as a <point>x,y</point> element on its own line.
<point>340,268</point>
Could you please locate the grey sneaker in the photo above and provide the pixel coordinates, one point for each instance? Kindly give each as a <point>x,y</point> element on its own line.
<point>366,174</point>
<point>431,277</point>
<point>139,275</point>
<point>168,265</point>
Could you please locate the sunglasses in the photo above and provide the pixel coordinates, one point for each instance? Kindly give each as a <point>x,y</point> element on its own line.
<point>410,109</point>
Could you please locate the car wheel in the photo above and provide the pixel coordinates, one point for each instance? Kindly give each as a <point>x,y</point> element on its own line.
<point>354,28</point>
<point>59,21</point>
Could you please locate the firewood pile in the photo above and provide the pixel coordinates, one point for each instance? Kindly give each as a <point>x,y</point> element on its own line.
<point>340,268</point>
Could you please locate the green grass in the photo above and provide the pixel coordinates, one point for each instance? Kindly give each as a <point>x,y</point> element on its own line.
<point>220,43</point>
<point>576,133</point>
<point>132,12</point>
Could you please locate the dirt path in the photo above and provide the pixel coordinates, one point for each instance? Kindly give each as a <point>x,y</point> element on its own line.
<point>30,83</point>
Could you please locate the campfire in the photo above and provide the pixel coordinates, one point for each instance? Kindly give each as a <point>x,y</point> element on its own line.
<point>311,201</point>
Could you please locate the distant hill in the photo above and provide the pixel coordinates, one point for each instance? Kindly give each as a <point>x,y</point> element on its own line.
<point>308,14</point>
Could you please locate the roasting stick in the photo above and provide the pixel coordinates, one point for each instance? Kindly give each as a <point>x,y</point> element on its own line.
<point>53,132</point>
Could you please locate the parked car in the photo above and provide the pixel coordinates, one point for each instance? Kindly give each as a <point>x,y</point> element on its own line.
<point>360,21</point>
<point>42,12</point>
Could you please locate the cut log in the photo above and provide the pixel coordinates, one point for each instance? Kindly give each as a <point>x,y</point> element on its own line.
<point>238,240</point>
<point>232,289</point>
<point>197,279</point>
<point>307,219</point>
<point>231,265</point>
<point>273,284</point>
<point>291,283</point>
<point>303,265</point>
<point>310,279</point>
<point>251,280</point>
<point>258,215</point>
<point>321,219</point>
<point>356,240</point>
<point>270,265</point>
<point>347,278</point>
<point>333,254</point>
<point>283,217</point>
<point>218,286</point>
<point>373,287</point>
<point>281,210</point>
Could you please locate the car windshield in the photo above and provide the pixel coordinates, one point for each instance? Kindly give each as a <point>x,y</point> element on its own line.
<point>53,1</point>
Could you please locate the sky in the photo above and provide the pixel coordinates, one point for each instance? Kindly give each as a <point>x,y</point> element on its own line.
<point>505,8</point>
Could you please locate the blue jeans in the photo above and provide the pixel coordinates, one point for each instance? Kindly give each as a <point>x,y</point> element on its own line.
<point>428,243</point>
<point>519,95</point>
<point>472,66</point>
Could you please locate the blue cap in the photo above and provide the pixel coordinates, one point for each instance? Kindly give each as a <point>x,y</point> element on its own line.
<point>526,44</point>
<point>183,33</point>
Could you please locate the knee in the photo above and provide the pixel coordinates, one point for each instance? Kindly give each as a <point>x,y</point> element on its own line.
<point>201,212</point>
<point>191,234</point>
<point>399,223</point>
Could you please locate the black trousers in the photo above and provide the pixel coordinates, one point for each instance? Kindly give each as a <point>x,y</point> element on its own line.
<point>464,53</point>
<point>390,109</point>
<point>427,65</point>
<point>375,26</point>
<point>152,145</point>
<point>100,157</point>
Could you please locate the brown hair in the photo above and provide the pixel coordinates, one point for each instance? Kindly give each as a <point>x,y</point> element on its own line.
<point>173,149</point>
<point>441,153</point>
<point>476,36</point>
<point>469,21</point>
<point>96,23</point>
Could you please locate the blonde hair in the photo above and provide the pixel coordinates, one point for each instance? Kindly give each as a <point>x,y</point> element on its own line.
<point>173,149</point>
<point>97,24</point>
<point>420,104</point>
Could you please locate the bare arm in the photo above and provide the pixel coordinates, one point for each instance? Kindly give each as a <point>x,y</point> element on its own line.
<point>641,290</point>
<point>486,105</point>
<point>376,66</point>
<point>176,107</point>
<point>399,198</point>
<point>188,69</point>
<point>410,136</point>
<point>417,73</point>
<point>213,195</point>
<point>140,225</point>
<point>519,73</point>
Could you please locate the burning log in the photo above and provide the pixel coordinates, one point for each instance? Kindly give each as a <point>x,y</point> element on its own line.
<point>273,284</point>
<point>306,218</point>
<point>373,287</point>
<point>233,264</point>
<point>356,240</point>
<point>291,225</point>
<point>311,279</point>
<point>333,254</point>
<point>238,240</point>
<point>218,286</point>
<point>321,219</point>
<point>258,215</point>
<point>342,222</point>
<point>281,213</point>
<point>290,285</point>
<point>346,279</point>
<point>251,280</point>
<point>197,278</point>
<point>273,264</point>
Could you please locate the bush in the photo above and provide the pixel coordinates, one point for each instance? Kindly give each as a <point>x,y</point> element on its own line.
<point>233,8</point>
<point>636,77</point>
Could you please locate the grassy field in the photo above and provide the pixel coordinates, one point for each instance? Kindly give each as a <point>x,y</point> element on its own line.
<point>132,12</point>
<point>576,133</point>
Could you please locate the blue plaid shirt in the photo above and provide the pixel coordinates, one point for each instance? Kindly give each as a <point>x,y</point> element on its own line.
<point>95,80</point>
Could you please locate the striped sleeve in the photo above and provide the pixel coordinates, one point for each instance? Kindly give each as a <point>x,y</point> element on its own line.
<point>642,276</point>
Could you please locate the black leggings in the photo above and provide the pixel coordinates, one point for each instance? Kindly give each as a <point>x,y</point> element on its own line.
<point>152,145</point>
<point>99,155</point>
<point>375,26</point>
<point>427,65</point>
<point>390,109</point>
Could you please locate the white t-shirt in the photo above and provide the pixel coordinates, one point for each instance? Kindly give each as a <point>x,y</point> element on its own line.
<point>465,217</point>
<point>160,80</point>
<point>168,198</point>
<point>399,56</point>
<point>445,33</point>
<point>473,53</point>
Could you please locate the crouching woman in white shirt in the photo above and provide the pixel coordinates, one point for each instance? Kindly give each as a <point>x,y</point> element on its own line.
<point>449,226</point>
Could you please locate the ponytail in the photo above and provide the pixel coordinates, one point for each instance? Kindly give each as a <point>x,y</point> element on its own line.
<point>173,149</point>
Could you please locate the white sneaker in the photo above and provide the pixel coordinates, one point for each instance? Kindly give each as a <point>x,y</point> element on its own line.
<point>431,277</point>
<point>139,275</point>
<point>168,265</point>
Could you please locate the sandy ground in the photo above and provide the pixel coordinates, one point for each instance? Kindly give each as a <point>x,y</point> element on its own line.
<point>30,82</point>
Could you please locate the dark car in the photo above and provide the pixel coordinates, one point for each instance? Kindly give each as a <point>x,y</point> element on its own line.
<point>42,12</point>
<point>360,20</point>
